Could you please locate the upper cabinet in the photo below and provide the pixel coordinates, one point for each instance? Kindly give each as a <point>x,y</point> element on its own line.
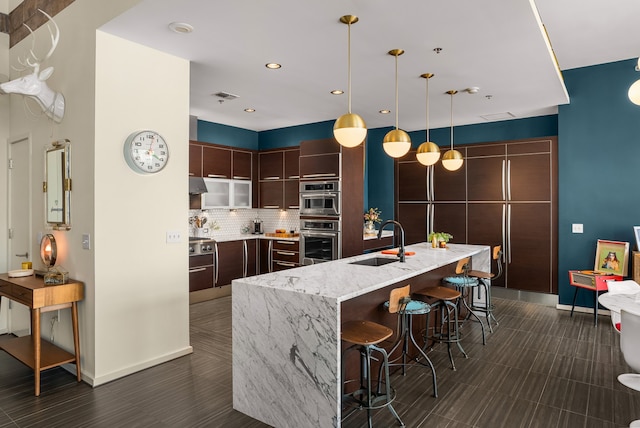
<point>216,162</point>
<point>278,175</point>
<point>242,163</point>
<point>195,160</point>
<point>320,159</point>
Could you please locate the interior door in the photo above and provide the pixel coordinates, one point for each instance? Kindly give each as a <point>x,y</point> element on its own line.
<point>19,248</point>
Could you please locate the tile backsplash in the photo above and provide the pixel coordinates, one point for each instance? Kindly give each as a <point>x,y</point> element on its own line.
<point>232,223</point>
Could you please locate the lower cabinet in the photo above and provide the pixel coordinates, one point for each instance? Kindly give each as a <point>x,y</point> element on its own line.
<point>201,272</point>
<point>235,259</point>
<point>285,255</point>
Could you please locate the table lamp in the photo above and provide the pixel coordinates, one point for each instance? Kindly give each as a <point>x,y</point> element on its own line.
<point>49,254</point>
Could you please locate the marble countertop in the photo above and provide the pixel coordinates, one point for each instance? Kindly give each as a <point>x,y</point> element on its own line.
<point>341,280</point>
<point>385,233</point>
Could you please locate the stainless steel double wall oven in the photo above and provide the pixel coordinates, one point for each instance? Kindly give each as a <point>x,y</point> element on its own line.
<point>320,209</point>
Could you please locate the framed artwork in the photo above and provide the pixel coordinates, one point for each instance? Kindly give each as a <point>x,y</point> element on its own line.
<point>636,233</point>
<point>612,257</point>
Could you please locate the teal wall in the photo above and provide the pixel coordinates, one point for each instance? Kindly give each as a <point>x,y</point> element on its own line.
<point>598,158</point>
<point>599,154</point>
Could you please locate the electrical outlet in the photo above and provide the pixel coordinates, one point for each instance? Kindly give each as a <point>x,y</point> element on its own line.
<point>576,228</point>
<point>174,237</point>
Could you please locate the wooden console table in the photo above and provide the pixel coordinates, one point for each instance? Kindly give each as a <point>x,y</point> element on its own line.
<point>33,351</point>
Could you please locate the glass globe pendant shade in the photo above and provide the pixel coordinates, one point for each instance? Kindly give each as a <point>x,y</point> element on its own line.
<point>634,92</point>
<point>396,143</point>
<point>452,160</point>
<point>428,153</point>
<point>350,130</point>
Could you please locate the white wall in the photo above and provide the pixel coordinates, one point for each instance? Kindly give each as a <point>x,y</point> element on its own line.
<point>135,311</point>
<point>144,279</point>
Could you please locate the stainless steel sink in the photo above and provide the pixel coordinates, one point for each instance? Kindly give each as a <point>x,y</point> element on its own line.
<point>374,261</point>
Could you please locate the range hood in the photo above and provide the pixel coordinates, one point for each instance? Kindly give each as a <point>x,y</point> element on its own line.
<point>197,186</point>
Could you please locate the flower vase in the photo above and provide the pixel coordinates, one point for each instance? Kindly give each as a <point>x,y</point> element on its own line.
<point>370,228</point>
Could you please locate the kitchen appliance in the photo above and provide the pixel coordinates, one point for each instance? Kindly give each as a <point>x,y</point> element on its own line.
<point>201,245</point>
<point>320,198</point>
<point>257,226</point>
<point>320,241</point>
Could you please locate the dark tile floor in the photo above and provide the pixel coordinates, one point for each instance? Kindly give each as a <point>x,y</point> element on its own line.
<point>539,368</point>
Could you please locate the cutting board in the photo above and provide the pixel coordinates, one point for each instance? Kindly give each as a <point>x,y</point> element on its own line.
<point>395,252</point>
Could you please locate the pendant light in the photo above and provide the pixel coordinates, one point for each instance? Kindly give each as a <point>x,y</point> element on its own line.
<point>397,142</point>
<point>428,152</point>
<point>349,129</point>
<point>452,160</point>
<point>634,89</point>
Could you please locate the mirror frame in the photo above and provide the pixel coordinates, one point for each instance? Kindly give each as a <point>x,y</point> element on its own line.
<point>57,184</point>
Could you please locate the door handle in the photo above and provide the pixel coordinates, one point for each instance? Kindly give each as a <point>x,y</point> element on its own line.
<point>25,255</point>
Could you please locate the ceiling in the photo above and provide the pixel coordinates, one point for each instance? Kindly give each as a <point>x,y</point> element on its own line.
<point>498,46</point>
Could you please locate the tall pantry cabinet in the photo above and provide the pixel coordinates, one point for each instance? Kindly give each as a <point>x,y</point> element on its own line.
<point>510,199</point>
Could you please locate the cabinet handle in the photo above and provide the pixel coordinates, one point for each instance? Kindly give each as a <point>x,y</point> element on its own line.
<point>293,176</point>
<point>294,207</point>
<point>509,179</point>
<point>286,253</point>
<point>240,177</point>
<point>270,256</point>
<point>215,252</point>
<point>197,270</point>
<point>504,225</point>
<point>271,206</point>
<point>216,176</point>
<point>245,259</point>
<point>330,174</point>
<point>271,178</point>
<point>288,264</point>
<point>287,242</point>
<point>504,197</point>
<point>25,255</point>
<point>191,173</point>
<point>509,231</point>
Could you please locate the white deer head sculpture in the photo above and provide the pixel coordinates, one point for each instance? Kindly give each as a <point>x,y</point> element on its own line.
<point>34,85</point>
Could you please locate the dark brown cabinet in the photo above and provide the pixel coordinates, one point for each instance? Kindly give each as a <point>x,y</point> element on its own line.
<point>271,165</point>
<point>278,186</point>
<point>201,272</point>
<point>509,198</point>
<point>285,255</point>
<point>265,247</point>
<point>195,160</point>
<point>242,165</point>
<point>236,259</point>
<point>216,162</point>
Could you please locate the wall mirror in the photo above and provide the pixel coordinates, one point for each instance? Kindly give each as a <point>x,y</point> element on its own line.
<point>57,184</point>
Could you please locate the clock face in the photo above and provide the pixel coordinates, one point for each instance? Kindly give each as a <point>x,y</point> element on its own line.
<point>146,152</point>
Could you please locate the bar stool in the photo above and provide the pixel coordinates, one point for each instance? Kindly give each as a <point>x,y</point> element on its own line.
<point>448,329</point>
<point>463,283</point>
<point>484,278</point>
<point>401,303</point>
<point>364,337</point>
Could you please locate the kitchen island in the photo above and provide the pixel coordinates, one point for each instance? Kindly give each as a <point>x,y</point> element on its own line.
<point>286,328</point>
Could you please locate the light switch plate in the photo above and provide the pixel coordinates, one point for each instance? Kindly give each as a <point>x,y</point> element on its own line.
<point>86,241</point>
<point>173,236</point>
<point>576,228</point>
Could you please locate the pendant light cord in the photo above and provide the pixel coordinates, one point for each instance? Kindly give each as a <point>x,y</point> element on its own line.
<point>451,121</point>
<point>396,91</point>
<point>427,121</point>
<point>349,67</point>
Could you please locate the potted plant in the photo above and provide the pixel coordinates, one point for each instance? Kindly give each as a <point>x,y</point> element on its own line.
<point>370,218</point>
<point>439,239</point>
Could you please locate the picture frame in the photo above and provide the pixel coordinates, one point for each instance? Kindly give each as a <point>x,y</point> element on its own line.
<point>612,257</point>
<point>636,233</point>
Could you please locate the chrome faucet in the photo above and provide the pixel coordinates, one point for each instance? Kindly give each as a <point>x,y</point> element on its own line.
<point>401,251</point>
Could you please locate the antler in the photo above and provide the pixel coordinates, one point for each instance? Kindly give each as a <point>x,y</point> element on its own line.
<point>54,43</point>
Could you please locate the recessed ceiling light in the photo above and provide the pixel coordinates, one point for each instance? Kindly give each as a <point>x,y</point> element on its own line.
<point>180,27</point>
<point>337,92</point>
<point>249,110</point>
<point>385,111</point>
<point>273,65</point>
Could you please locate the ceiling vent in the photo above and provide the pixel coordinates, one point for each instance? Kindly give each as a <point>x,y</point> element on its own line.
<point>498,116</point>
<point>226,96</point>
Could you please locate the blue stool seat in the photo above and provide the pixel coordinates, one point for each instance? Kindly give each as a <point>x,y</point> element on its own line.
<point>461,281</point>
<point>414,307</point>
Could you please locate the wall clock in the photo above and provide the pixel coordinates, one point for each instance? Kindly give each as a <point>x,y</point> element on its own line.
<point>146,152</point>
